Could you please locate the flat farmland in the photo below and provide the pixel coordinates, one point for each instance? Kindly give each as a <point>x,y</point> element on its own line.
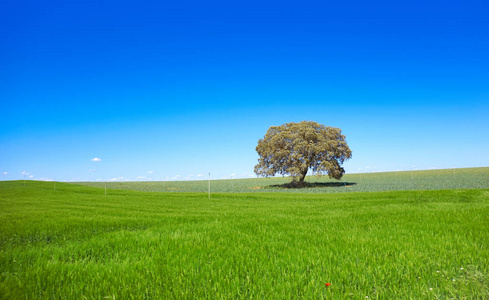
<point>76,243</point>
<point>463,178</point>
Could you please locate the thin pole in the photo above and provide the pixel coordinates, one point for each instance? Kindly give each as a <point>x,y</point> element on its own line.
<point>209,185</point>
<point>412,177</point>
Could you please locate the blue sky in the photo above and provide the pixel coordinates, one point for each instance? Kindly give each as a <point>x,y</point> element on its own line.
<point>172,90</point>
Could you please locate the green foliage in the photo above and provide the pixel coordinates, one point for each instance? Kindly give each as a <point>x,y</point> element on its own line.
<point>295,148</point>
<point>76,243</point>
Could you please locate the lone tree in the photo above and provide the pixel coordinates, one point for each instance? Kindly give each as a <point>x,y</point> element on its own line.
<point>294,148</point>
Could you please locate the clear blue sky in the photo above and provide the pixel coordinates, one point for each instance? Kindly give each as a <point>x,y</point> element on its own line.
<point>177,89</point>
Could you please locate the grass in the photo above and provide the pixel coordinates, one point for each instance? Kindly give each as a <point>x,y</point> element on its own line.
<point>76,243</point>
<point>465,178</point>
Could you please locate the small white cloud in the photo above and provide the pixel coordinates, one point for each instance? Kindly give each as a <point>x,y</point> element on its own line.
<point>96,159</point>
<point>24,173</point>
<point>4,173</point>
<point>200,175</point>
<point>150,172</point>
<point>245,175</point>
<point>31,176</point>
<point>140,177</point>
<point>176,177</point>
<point>92,170</point>
<point>117,179</point>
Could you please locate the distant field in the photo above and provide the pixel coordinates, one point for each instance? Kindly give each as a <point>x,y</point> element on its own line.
<point>76,243</point>
<point>465,178</point>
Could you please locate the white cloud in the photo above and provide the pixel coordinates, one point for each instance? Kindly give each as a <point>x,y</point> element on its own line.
<point>246,175</point>
<point>371,169</point>
<point>140,177</point>
<point>31,176</point>
<point>4,173</point>
<point>96,159</point>
<point>92,170</point>
<point>150,172</point>
<point>24,173</point>
<point>175,177</point>
<point>200,175</point>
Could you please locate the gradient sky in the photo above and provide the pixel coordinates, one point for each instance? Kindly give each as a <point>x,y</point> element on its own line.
<point>174,90</point>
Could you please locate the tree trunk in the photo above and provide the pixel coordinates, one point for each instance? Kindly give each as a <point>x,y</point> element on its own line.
<point>301,178</point>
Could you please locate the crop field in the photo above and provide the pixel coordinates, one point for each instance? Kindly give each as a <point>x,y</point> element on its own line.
<point>76,243</point>
<point>464,178</point>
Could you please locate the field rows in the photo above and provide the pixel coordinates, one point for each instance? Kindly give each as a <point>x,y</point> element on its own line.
<point>466,178</point>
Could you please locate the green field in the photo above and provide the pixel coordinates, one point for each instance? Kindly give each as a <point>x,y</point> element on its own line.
<point>76,243</point>
<point>465,178</point>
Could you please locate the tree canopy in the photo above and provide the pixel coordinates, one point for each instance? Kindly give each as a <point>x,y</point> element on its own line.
<point>295,148</point>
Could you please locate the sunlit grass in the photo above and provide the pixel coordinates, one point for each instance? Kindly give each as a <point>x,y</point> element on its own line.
<point>75,242</point>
